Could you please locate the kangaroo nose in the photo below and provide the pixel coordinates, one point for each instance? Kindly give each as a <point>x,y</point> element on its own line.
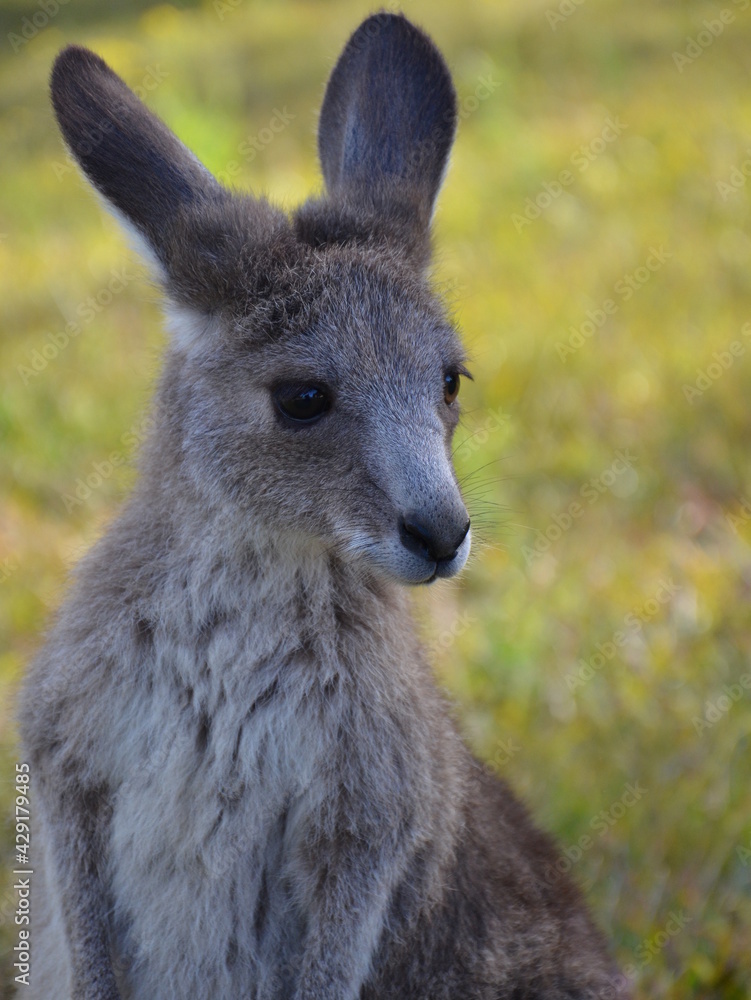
<point>431,542</point>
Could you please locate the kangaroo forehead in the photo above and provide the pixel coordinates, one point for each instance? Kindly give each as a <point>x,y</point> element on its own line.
<point>284,290</point>
<point>363,314</point>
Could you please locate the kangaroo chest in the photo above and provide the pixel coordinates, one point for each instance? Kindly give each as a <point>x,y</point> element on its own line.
<point>221,775</point>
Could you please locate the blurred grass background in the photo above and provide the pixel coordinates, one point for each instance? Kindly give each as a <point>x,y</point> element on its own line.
<point>614,511</point>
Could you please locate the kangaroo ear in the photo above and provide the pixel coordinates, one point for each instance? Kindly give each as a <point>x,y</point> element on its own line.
<point>389,116</point>
<point>127,153</point>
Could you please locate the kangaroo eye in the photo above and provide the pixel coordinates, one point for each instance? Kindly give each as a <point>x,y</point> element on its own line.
<point>303,403</point>
<point>450,387</point>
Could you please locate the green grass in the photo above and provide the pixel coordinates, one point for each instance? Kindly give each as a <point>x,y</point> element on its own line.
<point>645,557</point>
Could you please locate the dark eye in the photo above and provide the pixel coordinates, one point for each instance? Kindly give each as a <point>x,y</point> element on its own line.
<point>450,387</point>
<point>303,403</point>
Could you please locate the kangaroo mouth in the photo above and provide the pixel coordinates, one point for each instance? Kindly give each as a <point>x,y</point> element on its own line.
<point>416,567</point>
<point>438,560</point>
<point>448,567</point>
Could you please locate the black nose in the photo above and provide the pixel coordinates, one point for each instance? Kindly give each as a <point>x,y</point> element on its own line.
<point>432,543</point>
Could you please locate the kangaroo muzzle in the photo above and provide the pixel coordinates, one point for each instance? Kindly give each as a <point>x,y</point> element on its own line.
<point>435,540</point>
<point>435,535</point>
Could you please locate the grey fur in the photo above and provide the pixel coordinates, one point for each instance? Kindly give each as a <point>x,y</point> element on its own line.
<point>248,784</point>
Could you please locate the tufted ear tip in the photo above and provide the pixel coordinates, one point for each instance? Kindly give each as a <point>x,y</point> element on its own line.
<point>73,66</point>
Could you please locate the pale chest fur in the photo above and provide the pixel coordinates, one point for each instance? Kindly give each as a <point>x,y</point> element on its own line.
<point>221,765</point>
<point>221,762</point>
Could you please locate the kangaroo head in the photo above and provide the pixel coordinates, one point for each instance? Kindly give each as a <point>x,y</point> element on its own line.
<point>310,386</point>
